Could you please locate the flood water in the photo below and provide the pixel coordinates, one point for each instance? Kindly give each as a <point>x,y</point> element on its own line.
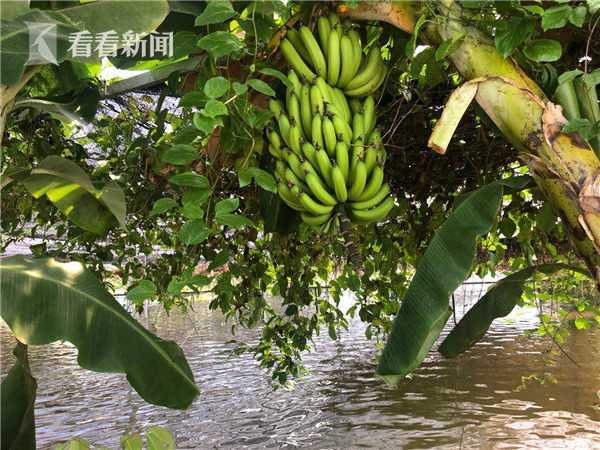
<point>480,400</point>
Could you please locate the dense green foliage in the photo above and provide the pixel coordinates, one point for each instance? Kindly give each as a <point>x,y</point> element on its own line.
<point>190,157</point>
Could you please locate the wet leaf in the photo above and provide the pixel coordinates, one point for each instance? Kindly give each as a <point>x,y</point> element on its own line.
<point>543,50</point>
<point>499,301</point>
<point>45,300</point>
<point>180,155</point>
<point>216,11</point>
<point>220,43</point>
<point>194,232</point>
<point>262,87</point>
<point>190,179</point>
<point>162,205</point>
<point>216,87</point>
<point>144,290</point>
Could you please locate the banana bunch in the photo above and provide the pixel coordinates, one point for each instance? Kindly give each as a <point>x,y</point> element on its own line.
<point>339,59</point>
<point>329,155</point>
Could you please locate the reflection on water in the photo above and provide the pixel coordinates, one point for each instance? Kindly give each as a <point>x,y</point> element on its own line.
<point>479,400</point>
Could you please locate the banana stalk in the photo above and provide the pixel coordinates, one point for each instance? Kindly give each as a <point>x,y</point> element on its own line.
<point>564,167</point>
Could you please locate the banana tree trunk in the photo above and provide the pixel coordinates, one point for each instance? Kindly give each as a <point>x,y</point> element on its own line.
<point>564,167</point>
<point>8,94</point>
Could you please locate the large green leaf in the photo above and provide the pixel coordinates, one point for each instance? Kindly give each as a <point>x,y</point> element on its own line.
<point>444,266</point>
<point>54,29</point>
<point>119,16</point>
<point>64,111</point>
<point>70,189</point>
<point>96,17</point>
<point>14,8</point>
<point>499,301</point>
<point>45,300</point>
<point>18,399</point>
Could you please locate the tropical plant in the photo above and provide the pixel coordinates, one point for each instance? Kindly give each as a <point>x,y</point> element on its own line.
<point>161,184</point>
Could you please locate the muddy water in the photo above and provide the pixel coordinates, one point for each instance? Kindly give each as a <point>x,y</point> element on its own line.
<point>481,400</point>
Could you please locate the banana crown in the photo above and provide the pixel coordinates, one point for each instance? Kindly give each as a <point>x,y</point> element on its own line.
<point>329,154</point>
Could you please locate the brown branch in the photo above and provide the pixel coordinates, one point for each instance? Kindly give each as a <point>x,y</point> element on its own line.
<point>397,13</point>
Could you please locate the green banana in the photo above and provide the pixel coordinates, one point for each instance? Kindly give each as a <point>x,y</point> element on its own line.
<point>329,136</point>
<point>296,83</point>
<point>375,200</point>
<point>326,93</point>
<point>294,37</point>
<point>375,138</point>
<point>295,60</point>
<point>294,112</point>
<point>312,206</point>
<point>355,105</point>
<point>324,30</point>
<point>359,178</point>
<point>324,166</point>
<point>373,185</point>
<point>342,104</point>
<point>305,111</point>
<point>370,70</point>
<point>326,227</point>
<point>334,20</point>
<point>369,115</point>
<point>358,154</point>
<point>291,178</point>
<point>369,87</point>
<point>295,164</point>
<point>275,107</point>
<point>307,167</point>
<point>347,61</point>
<point>319,190</point>
<point>284,127</point>
<point>280,167</point>
<point>326,147</point>
<point>275,151</point>
<point>358,127</point>
<point>371,156</point>
<point>342,159</point>
<point>342,129</point>
<point>316,55</point>
<point>333,57</point>
<point>315,221</point>
<point>357,47</point>
<point>274,139</point>
<point>339,184</point>
<point>297,189</point>
<point>317,132</point>
<point>375,214</point>
<point>317,105</point>
<point>309,152</point>
<point>287,196</point>
<point>295,138</point>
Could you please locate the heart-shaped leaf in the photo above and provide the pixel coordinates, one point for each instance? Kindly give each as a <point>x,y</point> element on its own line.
<point>190,179</point>
<point>220,43</point>
<point>180,155</point>
<point>216,11</point>
<point>216,87</point>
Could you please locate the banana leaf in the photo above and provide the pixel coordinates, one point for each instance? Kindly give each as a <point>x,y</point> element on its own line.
<point>18,399</point>
<point>444,266</point>
<point>70,189</point>
<point>499,301</point>
<point>45,300</point>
